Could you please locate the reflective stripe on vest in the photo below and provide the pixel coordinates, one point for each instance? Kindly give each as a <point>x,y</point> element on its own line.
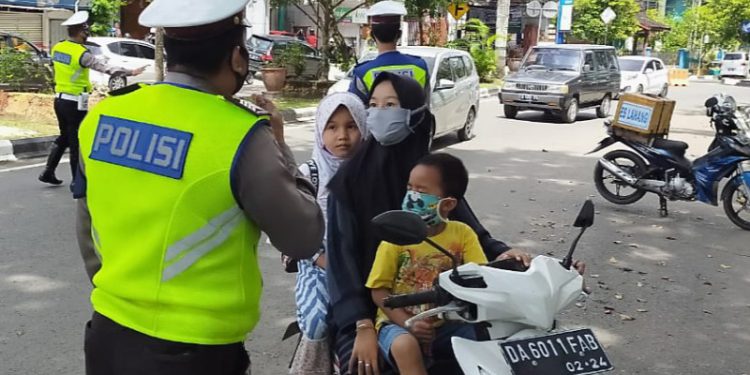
<point>411,71</point>
<point>179,258</point>
<point>70,77</point>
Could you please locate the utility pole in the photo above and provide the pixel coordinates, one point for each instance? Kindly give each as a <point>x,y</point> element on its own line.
<point>501,30</point>
<point>159,58</point>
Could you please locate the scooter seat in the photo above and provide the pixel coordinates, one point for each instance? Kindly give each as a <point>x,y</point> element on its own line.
<point>675,147</point>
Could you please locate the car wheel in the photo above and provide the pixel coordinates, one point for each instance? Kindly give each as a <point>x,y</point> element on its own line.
<point>467,132</point>
<point>510,111</point>
<point>117,82</point>
<point>570,112</point>
<point>639,89</point>
<point>664,90</point>
<point>602,110</point>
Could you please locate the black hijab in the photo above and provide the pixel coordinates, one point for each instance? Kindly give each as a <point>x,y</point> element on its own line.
<point>374,180</point>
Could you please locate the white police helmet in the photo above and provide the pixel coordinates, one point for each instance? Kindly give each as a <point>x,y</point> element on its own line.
<point>387,8</point>
<point>188,13</point>
<point>78,18</point>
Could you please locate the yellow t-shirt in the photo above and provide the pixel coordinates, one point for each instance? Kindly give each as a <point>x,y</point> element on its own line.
<point>414,268</point>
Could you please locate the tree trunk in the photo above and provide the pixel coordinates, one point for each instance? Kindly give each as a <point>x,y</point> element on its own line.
<point>159,58</point>
<point>501,42</point>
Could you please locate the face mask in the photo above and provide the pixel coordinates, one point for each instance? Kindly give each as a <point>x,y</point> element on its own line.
<point>391,126</point>
<point>427,206</point>
<point>239,77</point>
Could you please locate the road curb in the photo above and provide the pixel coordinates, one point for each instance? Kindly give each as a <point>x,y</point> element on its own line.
<point>486,93</point>
<point>25,148</point>
<point>297,114</point>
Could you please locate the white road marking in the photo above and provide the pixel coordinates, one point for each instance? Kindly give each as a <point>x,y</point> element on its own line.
<point>63,161</point>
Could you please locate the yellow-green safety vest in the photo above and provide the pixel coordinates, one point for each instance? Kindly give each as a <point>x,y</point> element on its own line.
<point>413,71</point>
<point>178,255</point>
<point>70,77</point>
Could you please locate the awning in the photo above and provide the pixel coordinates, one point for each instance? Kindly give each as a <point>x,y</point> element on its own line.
<point>648,24</point>
<point>64,4</point>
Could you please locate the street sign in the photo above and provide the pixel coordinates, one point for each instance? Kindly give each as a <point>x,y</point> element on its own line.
<point>608,15</point>
<point>360,16</point>
<point>746,27</point>
<point>458,10</point>
<point>533,8</point>
<point>550,9</point>
<point>566,16</point>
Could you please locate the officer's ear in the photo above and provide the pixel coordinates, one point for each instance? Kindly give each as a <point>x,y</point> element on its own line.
<point>239,60</point>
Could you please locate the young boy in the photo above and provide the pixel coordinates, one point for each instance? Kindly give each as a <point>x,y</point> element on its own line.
<point>436,184</point>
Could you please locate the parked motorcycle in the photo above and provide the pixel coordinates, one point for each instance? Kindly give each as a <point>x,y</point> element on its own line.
<point>660,167</point>
<point>517,307</point>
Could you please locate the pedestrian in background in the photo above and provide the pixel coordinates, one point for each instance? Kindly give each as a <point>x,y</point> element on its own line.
<point>71,62</point>
<point>312,39</point>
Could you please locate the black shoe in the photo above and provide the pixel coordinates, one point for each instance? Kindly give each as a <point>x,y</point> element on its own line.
<point>49,178</point>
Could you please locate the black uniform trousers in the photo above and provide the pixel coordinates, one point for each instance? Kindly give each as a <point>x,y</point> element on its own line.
<point>112,349</point>
<point>69,119</point>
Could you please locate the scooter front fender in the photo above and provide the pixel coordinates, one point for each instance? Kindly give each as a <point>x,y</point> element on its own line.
<point>604,143</point>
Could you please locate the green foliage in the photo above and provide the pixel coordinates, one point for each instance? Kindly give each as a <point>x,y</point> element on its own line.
<point>20,72</point>
<point>418,8</point>
<point>588,25</point>
<point>103,14</point>
<point>729,16</point>
<point>481,45</point>
<point>292,57</point>
<point>688,31</point>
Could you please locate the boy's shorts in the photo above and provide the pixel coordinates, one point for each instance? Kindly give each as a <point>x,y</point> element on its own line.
<point>441,347</point>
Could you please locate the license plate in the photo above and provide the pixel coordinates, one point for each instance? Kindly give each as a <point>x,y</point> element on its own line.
<point>731,69</point>
<point>528,98</point>
<point>569,353</point>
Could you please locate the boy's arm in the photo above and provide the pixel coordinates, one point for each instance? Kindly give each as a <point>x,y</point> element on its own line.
<point>397,315</point>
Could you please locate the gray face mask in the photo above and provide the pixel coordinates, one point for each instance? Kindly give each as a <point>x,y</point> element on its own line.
<point>391,126</point>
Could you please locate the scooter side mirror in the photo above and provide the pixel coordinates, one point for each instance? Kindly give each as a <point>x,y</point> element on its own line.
<point>712,101</point>
<point>585,218</point>
<point>400,227</point>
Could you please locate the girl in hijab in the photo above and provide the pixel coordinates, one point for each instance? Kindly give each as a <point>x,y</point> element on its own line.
<point>339,131</point>
<point>372,182</point>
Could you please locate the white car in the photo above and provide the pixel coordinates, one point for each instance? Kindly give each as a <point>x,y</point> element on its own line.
<point>455,88</point>
<point>735,64</point>
<point>125,53</point>
<point>643,74</point>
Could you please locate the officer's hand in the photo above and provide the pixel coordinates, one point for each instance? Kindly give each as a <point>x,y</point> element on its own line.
<point>277,121</point>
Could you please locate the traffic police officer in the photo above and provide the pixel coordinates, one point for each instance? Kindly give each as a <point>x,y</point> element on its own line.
<point>177,182</point>
<point>385,21</point>
<point>71,62</point>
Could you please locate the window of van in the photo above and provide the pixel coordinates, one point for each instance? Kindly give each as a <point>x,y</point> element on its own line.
<point>444,71</point>
<point>589,60</point>
<point>602,62</point>
<point>469,65</point>
<point>733,56</point>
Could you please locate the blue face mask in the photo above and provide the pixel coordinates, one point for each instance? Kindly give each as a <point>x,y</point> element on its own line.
<point>425,205</point>
<point>391,126</point>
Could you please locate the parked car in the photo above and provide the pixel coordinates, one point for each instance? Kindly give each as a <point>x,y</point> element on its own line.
<point>264,48</point>
<point>735,64</point>
<point>455,88</point>
<point>125,53</point>
<point>41,77</point>
<point>643,74</point>
<point>563,78</point>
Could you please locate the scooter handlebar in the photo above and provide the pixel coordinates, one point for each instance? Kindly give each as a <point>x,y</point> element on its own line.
<point>413,299</point>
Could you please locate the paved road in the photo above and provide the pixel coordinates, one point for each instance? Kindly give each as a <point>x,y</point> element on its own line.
<point>529,178</point>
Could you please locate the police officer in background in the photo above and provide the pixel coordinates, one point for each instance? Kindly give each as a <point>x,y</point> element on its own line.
<point>177,182</point>
<point>385,20</point>
<point>71,62</point>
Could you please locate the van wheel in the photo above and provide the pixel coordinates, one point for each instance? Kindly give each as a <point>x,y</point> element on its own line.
<point>510,111</point>
<point>467,132</point>
<point>602,110</point>
<point>570,112</point>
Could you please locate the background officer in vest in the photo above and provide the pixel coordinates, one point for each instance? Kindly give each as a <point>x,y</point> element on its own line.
<point>71,62</point>
<point>177,182</point>
<point>385,21</point>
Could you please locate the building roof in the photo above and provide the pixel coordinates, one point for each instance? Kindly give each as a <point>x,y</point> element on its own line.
<point>574,46</point>
<point>648,24</point>
<point>65,4</point>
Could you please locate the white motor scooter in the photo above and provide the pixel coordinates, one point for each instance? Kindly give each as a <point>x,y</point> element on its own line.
<point>517,307</point>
